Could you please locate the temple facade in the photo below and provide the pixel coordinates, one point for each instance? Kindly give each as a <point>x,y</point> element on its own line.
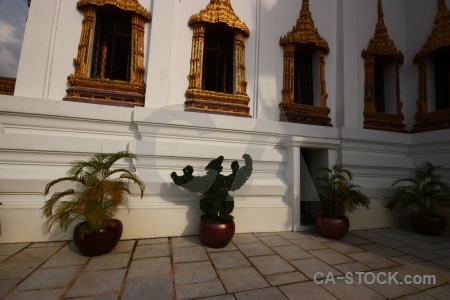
<point>296,84</point>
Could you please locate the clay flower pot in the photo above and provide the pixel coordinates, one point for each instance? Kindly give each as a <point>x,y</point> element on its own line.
<point>101,243</point>
<point>216,235</point>
<point>332,228</point>
<point>432,225</point>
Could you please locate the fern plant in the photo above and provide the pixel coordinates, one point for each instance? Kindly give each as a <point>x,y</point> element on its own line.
<point>98,192</point>
<point>425,190</point>
<point>338,194</point>
<point>216,204</point>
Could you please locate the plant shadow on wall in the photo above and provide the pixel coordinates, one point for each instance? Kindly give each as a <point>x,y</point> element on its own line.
<point>216,227</point>
<point>99,191</point>
<point>337,195</point>
<point>428,194</point>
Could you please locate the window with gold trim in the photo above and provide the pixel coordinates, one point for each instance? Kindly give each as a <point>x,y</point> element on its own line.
<point>382,60</point>
<point>433,60</point>
<point>109,68</point>
<point>304,87</point>
<point>217,81</point>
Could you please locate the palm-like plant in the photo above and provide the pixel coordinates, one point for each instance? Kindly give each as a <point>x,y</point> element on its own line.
<point>100,189</point>
<point>338,194</point>
<point>425,190</point>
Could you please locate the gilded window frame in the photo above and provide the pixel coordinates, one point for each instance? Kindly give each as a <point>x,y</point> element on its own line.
<point>105,91</point>
<point>438,39</point>
<point>199,100</point>
<point>381,46</point>
<point>305,34</point>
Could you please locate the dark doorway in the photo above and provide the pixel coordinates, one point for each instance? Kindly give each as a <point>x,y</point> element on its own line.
<point>311,160</point>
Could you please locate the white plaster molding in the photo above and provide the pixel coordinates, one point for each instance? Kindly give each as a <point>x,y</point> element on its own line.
<point>310,142</point>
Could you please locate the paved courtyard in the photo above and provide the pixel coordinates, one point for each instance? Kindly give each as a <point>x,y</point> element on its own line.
<point>370,264</point>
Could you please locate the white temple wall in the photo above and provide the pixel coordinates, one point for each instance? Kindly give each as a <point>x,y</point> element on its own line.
<point>66,33</point>
<point>34,57</point>
<point>168,55</point>
<point>40,137</point>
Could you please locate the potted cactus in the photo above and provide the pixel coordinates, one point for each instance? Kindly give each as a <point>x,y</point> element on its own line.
<point>217,226</point>
<point>98,192</point>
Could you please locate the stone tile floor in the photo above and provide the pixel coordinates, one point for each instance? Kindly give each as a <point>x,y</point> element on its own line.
<point>369,264</point>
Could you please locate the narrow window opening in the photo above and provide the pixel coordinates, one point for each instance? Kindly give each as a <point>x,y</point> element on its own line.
<point>379,95</point>
<point>112,47</point>
<point>442,81</point>
<point>303,77</point>
<point>218,70</point>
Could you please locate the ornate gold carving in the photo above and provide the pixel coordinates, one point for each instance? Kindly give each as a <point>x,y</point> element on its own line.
<point>198,100</point>
<point>306,35</point>
<point>381,47</point>
<point>434,120</point>
<point>306,114</point>
<point>195,73</point>
<point>214,102</point>
<point>382,121</point>
<point>7,85</point>
<point>219,11</point>
<point>131,6</point>
<point>304,32</point>
<point>81,62</point>
<point>438,39</point>
<point>85,89</point>
<point>440,35</point>
<point>137,48</point>
<point>241,83</point>
<point>381,43</point>
<point>422,102</point>
<point>106,85</point>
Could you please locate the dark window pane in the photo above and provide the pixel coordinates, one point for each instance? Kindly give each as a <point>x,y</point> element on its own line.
<point>112,47</point>
<point>218,62</point>
<point>379,88</point>
<point>303,78</point>
<point>442,81</point>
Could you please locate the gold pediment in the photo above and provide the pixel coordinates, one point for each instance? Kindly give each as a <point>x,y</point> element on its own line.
<point>304,32</point>
<point>126,5</point>
<point>440,35</point>
<point>219,11</point>
<point>381,44</point>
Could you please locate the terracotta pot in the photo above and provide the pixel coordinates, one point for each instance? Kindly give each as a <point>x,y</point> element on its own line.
<point>332,228</point>
<point>216,235</point>
<point>100,243</point>
<point>433,225</point>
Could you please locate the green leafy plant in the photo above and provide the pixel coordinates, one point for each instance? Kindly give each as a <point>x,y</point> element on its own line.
<point>338,194</point>
<point>425,190</point>
<point>216,204</point>
<point>99,190</point>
